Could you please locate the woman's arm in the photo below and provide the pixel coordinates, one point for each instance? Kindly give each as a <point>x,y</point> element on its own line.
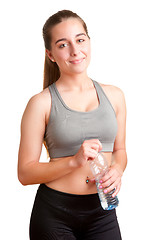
<point>119,156</point>
<point>30,170</point>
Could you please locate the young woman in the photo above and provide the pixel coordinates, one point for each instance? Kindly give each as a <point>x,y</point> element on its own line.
<point>75,117</point>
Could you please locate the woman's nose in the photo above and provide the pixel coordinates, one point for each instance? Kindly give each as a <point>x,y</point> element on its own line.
<point>74,50</point>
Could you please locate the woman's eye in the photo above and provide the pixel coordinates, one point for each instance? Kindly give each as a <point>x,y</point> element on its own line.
<point>63,45</point>
<point>80,40</point>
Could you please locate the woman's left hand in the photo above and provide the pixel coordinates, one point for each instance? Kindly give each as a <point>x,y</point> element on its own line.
<point>112,180</point>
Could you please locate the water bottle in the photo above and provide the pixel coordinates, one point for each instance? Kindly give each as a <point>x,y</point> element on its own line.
<point>99,167</point>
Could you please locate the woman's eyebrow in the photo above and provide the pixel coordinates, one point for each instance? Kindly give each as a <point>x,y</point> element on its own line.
<point>64,39</point>
<point>80,34</point>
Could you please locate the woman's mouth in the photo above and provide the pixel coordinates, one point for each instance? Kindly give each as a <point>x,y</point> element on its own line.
<point>77,61</point>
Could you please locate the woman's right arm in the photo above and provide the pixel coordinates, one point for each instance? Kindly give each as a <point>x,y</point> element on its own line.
<point>30,170</point>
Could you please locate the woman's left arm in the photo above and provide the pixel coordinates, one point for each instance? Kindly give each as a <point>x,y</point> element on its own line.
<point>119,157</point>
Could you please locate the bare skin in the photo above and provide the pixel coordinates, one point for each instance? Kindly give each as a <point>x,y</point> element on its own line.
<point>68,174</point>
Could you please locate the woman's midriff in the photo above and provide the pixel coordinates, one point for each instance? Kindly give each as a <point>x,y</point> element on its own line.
<point>75,182</point>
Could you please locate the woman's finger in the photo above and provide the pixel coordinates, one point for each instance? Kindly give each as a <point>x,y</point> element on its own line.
<point>117,190</point>
<point>112,186</point>
<point>95,146</point>
<point>108,182</point>
<point>107,176</point>
<point>91,153</point>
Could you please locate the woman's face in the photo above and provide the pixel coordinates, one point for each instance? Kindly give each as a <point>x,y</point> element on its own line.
<point>70,47</point>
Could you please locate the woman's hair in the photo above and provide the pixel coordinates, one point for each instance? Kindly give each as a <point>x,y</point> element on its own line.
<point>51,69</point>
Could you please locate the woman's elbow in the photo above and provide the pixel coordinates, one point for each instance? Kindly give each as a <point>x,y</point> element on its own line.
<point>22,177</point>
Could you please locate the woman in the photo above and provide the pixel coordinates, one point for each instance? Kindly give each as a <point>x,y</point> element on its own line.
<point>76,117</point>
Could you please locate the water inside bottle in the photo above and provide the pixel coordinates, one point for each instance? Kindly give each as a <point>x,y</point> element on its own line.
<point>107,201</point>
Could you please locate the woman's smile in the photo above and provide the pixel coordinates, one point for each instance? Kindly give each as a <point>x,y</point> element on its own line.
<point>77,61</point>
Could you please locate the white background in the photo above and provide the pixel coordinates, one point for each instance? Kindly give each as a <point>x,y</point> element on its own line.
<point>125,53</point>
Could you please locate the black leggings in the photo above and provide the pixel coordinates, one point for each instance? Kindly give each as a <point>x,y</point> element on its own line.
<point>63,216</point>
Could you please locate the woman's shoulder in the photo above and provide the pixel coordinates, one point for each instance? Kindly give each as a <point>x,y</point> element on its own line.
<point>39,102</point>
<point>40,98</point>
<point>111,88</point>
<point>114,94</point>
<point>113,91</point>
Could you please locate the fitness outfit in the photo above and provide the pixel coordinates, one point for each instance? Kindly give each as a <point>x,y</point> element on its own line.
<point>63,216</point>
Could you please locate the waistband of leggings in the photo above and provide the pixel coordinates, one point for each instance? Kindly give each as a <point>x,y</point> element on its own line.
<point>74,201</point>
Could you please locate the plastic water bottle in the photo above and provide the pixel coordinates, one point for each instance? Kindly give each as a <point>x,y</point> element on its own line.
<point>99,167</point>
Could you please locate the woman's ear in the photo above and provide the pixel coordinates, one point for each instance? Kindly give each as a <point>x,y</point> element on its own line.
<point>50,55</point>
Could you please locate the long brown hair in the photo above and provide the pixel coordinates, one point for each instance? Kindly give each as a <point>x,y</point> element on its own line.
<point>51,69</point>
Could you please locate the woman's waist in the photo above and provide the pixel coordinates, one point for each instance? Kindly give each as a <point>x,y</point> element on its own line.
<point>78,181</point>
<point>75,183</point>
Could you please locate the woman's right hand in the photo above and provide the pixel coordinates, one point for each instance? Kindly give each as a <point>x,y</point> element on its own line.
<point>88,151</point>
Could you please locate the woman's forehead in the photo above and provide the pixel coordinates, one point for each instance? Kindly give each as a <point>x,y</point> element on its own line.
<point>67,28</point>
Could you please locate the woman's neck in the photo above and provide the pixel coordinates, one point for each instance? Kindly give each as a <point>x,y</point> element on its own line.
<point>74,82</point>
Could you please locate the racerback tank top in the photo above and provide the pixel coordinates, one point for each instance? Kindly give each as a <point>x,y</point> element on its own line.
<point>67,128</point>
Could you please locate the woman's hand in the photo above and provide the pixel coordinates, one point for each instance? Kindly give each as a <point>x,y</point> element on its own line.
<point>88,151</point>
<point>112,180</point>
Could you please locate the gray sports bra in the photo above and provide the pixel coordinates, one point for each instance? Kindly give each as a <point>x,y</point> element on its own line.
<point>67,129</point>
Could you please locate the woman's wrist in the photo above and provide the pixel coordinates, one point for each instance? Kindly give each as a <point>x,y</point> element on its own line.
<point>73,162</point>
<point>118,167</point>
